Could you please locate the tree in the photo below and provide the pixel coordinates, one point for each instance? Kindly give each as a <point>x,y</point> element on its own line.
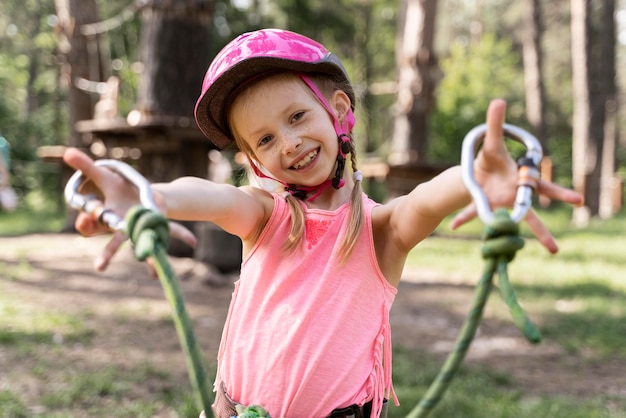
<point>75,48</point>
<point>533,74</point>
<point>174,56</point>
<point>417,77</point>
<point>593,68</point>
<point>534,86</point>
<point>470,82</point>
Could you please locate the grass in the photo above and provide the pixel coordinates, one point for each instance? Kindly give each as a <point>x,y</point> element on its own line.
<point>34,339</point>
<point>577,296</point>
<point>107,392</point>
<point>480,392</point>
<point>33,216</point>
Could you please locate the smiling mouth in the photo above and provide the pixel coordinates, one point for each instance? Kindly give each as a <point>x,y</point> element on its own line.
<point>304,162</point>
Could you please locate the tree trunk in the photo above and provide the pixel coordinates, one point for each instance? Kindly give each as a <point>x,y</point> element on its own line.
<point>174,54</point>
<point>534,87</point>
<point>608,102</point>
<point>533,74</point>
<point>74,46</point>
<point>593,69</point>
<point>417,77</point>
<point>32,102</point>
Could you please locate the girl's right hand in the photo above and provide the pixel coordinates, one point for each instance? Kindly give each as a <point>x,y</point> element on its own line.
<point>118,196</point>
<point>116,193</point>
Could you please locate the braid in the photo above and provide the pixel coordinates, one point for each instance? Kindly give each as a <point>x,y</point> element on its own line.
<point>353,156</point>
<point>297,224</point>
<point>356,210</point>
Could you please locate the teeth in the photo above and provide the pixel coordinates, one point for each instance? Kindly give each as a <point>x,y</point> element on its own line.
<point>306,160</point>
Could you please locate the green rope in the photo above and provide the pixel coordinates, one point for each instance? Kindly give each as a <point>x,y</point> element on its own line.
<point>500,244</point>
<point>149,233</point>
<point>252,411</point>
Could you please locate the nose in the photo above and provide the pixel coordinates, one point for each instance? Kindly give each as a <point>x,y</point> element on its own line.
<point>290,142</point>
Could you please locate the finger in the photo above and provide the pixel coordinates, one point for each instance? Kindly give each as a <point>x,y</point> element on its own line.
<point>102,262</point>
<point>495,119</point>
<point>556,192</point>
<point>81,161</point>
<point>180,232</point>
<point>544,236</point>
<point>87,226</point>
<point>78,160</point>
<point>465,215</point>
<point>202,415</point>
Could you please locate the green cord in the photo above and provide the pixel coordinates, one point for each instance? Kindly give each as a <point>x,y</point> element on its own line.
<point>500,244</point>
<point>149,233</point>
<point>252,411</point>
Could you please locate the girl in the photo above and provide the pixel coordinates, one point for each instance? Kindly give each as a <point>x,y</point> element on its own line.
<point>307,333</point>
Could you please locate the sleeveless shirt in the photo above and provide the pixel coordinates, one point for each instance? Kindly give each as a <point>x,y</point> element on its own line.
<point>306,334</point>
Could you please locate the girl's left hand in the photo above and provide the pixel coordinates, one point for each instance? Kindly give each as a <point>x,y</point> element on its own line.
<point>496,172</point>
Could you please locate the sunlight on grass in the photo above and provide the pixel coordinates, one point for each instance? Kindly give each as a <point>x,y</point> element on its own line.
<point>112,391</point>
<point>34,215</point>
<point>577,297</point>
<point>39,336</point>
<point>479,393</point>
<point>21,324</point>
<point>24,222</point>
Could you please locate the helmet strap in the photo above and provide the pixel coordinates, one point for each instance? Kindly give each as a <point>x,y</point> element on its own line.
<point>341,129</point>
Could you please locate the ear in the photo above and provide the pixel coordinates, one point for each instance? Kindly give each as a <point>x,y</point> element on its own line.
<point>341,104</point>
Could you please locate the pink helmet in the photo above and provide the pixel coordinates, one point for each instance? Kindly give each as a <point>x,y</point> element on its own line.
<point>252,54</point>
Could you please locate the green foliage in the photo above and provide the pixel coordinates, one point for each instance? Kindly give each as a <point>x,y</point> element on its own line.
<point>474,74</point>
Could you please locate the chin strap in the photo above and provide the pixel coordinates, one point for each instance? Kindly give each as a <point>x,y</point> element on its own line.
<point>341,129</point>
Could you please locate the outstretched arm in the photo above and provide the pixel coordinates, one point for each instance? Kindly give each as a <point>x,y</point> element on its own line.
<point>416,215</point>
<point>238,211</point>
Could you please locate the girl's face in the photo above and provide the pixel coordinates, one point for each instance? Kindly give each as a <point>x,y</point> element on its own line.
<point>287,130</point>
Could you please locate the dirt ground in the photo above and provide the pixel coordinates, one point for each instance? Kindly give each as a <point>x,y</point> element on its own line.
<point>127,313</point>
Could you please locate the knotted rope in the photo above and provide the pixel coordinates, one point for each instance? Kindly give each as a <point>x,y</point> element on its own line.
<point>500,244</point>
<point>149,232</point>
<point>252,411</point>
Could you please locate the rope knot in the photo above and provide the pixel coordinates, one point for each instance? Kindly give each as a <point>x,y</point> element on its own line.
<point>252,411</point>
<point>501,237</point>
<point>146,228</point>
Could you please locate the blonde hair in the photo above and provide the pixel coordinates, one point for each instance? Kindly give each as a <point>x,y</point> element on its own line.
<point>298,222</point>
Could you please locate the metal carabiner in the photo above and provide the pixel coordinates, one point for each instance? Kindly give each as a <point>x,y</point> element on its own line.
<point>528,173</point>
<point>92,206</point>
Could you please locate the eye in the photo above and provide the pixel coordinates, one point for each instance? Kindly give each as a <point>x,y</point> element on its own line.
<point>297,116</point>
<point>265,140</point>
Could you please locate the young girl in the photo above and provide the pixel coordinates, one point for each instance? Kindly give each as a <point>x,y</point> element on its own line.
<point>307,333</point>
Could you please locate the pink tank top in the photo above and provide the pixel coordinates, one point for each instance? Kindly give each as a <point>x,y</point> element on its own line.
<point>306,334</point>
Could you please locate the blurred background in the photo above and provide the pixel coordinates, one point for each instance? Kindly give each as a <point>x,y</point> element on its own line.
<point>119,79</point>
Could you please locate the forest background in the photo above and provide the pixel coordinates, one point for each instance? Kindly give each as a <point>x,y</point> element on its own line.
<point>79,343</point>
<point>477,52</point>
